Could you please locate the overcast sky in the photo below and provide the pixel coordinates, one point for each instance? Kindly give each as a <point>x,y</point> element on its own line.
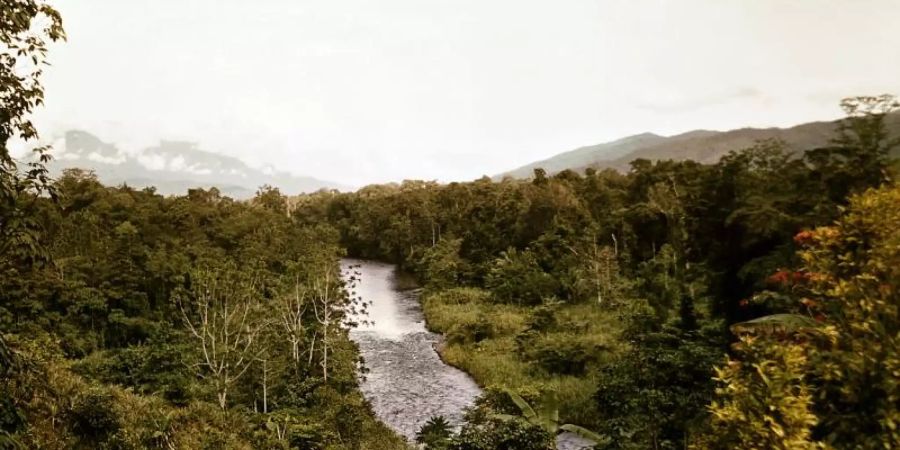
<point>362,91</point>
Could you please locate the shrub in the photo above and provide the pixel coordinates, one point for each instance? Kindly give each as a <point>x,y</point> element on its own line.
<point>470,332</point>
<point>766,402</point>
<point>94,416</point>
<point>151,368</point>
<point>435,434</point>
<point>441,266</point>
<point>562,354</point>
<point>516,277</point>
<point>496,434</point>
<point>460,296</point>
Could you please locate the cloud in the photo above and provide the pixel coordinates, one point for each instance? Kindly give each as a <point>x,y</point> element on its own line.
<point>152,162</point>
<point>177,164</point>
<point>114,160</point>
<point>197,170</point>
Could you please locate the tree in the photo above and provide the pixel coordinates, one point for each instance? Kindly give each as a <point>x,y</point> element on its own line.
<point>22,62</point>
<point>22,59</point>
<point>853,269</point>
<point>435,434</point>
<point>221,311</point>
<point>656,391</point>
<point>828,382</point>
<point>599,274</point>
<point>498,434</point>
<point>333,309</point>
<point>292,307</point>
<point>764,402</point>
<point>442,265</point>
<point>516,277</point>
<point>270,198</point>
<point>859,156</point>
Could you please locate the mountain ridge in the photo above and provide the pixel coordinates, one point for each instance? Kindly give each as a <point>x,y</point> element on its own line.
<point>705,146</point>
<point>172,167</point>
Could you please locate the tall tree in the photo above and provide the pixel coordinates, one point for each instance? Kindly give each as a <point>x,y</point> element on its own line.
<point>221,311</point>
<point>26,29</point>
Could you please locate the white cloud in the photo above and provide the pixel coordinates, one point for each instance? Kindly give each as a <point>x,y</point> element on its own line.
<point>197,170</point>
<point>151,161</point>
<point>114,160</point>
<point>66,156</point>
<point>359,91</point>
<point>176,164</point>
<point>236,172</point>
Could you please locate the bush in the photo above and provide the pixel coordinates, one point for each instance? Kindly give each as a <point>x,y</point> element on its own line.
<point>441,266</point>
<point>435,434</point>
<point>562,354</point>
<point>516,277</point>
<point>543,318</point>
<point>152,368</point>
<point>470,332</point>
<point>496,434</point>
<point>308,436</point>
<point>94,416</point>
<point>460,296</point>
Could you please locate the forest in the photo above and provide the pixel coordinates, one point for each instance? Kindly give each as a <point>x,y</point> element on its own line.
<point>747,304</point>
<point>610,301</point>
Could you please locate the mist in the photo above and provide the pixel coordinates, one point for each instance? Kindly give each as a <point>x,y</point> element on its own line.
<point>360,92</point>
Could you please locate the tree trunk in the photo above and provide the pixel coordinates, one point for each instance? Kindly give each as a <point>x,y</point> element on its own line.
<point>265,388</point>
<point>223,394</point>
<point>325,354</point>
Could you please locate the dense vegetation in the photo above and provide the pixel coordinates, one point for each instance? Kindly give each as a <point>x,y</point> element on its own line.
<point>131,320</point>
<point>750,303</point>
<point>618,295</point>
<point>191,322</point>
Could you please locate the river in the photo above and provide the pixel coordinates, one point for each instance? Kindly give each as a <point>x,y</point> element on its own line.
<point>407,382</point>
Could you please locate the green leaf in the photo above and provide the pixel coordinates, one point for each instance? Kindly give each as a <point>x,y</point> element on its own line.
<point>523,406</point>
<point>584,432</point>
<point>793,322</point>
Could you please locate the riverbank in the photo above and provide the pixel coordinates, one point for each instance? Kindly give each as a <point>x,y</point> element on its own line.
<point>408,378</point>
<point>529,351</point>
<point>405,380</point>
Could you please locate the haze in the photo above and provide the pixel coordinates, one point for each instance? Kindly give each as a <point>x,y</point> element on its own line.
<point>371,91</point>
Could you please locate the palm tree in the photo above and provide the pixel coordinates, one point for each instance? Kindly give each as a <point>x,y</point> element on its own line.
<point>435,434</point>
<point>547,417</point>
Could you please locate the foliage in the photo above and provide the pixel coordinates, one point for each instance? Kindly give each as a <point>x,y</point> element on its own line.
<point>829,382</point>
<point>128,275</point>
<point>516,277</point>
<point>853,273</point>
<point>26,29</point>
<point>765,403</point>
<point>547,417</point>
<point>623,289</point>
<point>442,266</point>
<point>435,434</point>
<point>498,434</point>
<point>657,391</point>
<point>614,292</point>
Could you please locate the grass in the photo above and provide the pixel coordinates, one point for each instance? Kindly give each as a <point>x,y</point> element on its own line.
<point>498,361</point>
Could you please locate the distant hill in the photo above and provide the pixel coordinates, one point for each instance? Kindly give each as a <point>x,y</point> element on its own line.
<point>584,156</point>
<point>700,145</point>
<point>174,167</point>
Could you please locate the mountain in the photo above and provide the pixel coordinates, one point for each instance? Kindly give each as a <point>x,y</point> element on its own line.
<point>584,156</point>
<point>173,167</point>
<point>700,145</point>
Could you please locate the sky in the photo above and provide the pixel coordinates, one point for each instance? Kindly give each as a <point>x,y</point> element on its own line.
<point>366,91</point>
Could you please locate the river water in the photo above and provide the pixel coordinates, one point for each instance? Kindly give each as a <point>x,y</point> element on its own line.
<point>407,383</point>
